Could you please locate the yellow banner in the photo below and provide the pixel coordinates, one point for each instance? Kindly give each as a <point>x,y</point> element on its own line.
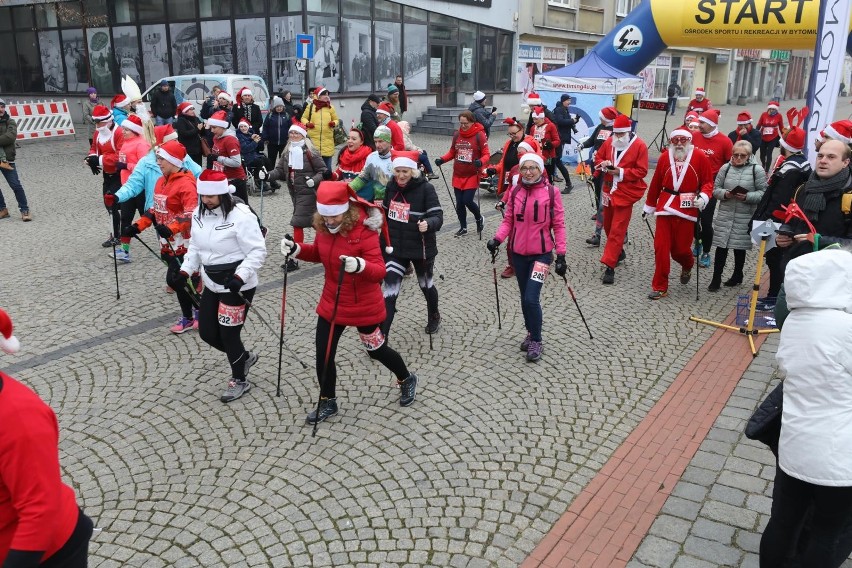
<point>765,24</point>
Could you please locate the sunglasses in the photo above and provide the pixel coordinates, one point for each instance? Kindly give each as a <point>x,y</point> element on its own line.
<point>680,140</point>
<point>740,155</point>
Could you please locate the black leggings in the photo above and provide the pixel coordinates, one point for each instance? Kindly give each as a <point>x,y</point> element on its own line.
<point>178,283</point>
<point>225,338</point>
<point>396,267</point>
<point>130,208</point>
<point>240,189</point>
<point>722,257</point>
<point>557,161</point>
<point>706,226</point>
<point>775,264</point>
<point>383,354</point>
<point>112,183</point>
<point>466,199</point>
<point>273,151</point>
<point>766,149</point>
<point>75,552</point>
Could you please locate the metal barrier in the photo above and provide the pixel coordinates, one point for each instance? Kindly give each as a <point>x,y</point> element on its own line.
<point>47,119</point>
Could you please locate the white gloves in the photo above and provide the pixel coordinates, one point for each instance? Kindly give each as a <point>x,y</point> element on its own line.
<point>262,173</point>
<point>648,209</point>
<point>289,247</point>
<point>701,201</point>
<point>310,182</point>
<point>353,264</point>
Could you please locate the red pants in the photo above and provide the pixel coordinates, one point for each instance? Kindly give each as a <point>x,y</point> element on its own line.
<point>615,222</point>
<point>672,238</point>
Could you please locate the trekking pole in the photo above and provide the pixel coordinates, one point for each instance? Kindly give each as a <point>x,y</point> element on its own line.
<point>453,201</point>
<point>699,247</point>
<point>270,328</point>
<point>281,328</point>
<point>193,294</point>
<point>648,224</point>
<point>573,297</point>
<point>479,206</point>
<point>114,256</point>
<point>328,343</point>
<point>496,289</point>
<point>423,242</point>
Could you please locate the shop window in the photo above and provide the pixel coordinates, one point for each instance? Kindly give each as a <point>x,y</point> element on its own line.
<point>70,14</point>
<point>95,13</point>
<point>128,61</point>
<point>151,10</point>
<point>282,40</point>
<point>388,49</point>
<point>324,6</point>
<point>122,12</point>
<point>214,8</point>
<point>9,79</point>
<point>251,55</point>
<point>76,63</point>
<point>356,54</point>
<point>23,16</point>
<point>387,10</point>
<point>184,48</point>
<point>415,14</point>
<point>181,9</point>
<point>46,16</point>
<point>216,47</point>
<point>486,59</point>
<point>356,8</point>
<point>504,62</point>
<point>245,7</point>
<point>436,18</point>
<point>279,6</point>
<point>100,53</point>
<point>324,68</point>
<point>155,52</point>
<point>51,61</point>
<point>415,57</point>
<point>467,46</point>
<point>30,62</point>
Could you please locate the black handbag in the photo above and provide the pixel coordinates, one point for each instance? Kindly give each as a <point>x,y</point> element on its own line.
<point>765,424</point>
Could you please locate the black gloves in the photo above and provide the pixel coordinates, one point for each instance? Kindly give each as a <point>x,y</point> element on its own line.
<point>211,159</point>
<point>477,163</point>
<point>164,231</point>
<point>547,144</point>
<point>438,162</point>
<point>234,284</point>
<point>326,175</point>
<point>493,245</point>
<point>94,164</point>
<point>130,231</point>
<point>561,265</point>
<point>491,171</point>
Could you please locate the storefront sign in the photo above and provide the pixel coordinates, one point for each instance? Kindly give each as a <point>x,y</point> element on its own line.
<point>723,57</point>
<point>654,105</point>
<point>779,55</point>
<point>559,54</point>
<point>526,51</point>
<point>663,61</point>
<point>687,62</point>
<point>748,53</point>
<point>435,71</point>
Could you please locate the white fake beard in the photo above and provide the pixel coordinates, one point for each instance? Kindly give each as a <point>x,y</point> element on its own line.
<point>105,130</point>
<point>620,144</point>
<point>680,153</point>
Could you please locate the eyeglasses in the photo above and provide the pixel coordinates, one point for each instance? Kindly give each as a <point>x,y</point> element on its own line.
<point>680,140</point>
<point>740,155</point>
<point>529,168</point>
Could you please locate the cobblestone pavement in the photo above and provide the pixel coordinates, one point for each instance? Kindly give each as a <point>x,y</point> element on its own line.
<point>473,474</point>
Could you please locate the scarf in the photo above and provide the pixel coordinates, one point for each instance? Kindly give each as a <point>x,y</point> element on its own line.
<point>318,104</point>
<point>816,189</point>
<point>296,159</point>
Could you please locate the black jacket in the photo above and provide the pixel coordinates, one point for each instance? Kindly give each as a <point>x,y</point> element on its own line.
<point>832,224</point>
<point>188,133</point>
<point>597,139</point>
<point>564,122</point>
<point>251,112</point>
<point>483,116</point>
<point>752,137</point>
<point>406,239</point>
<point>208,108</point>
<point>369,123</point>
<point>163,104</point>
<point>781,187</point>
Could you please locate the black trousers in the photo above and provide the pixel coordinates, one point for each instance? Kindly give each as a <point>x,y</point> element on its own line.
<point>130,208</point>
<point>775,264</point>
<point>112,183</point>
<point>75,552</point>
<point>706,226</point>
<point>384,355</point>
<point>396,267</point>
<point>273,151</point>
<point>722,258</point>
<point>178,283</point>
<point>240,187</point>
<point>766,149</point>
<point>225,338</point>
<point>557,163</point>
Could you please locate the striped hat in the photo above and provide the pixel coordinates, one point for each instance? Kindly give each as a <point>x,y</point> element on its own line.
<point>133,123</point>
<point>173,152</point>
<point>101,113</point>
<point>219,119</point>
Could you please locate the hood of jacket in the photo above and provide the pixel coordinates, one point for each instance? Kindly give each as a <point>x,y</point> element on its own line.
<point>820,279</point>
<point>366,106</point>
<point>474,129</point>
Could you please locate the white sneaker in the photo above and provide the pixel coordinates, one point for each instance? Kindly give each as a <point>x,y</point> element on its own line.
<point>121,254</point>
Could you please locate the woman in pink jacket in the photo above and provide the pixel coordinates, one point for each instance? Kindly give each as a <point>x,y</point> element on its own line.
<point>535,221</point>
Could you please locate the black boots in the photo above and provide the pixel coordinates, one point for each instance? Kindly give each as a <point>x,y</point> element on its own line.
<point>434,323</point>
<point>608,276</point>
<point>407,390</point>
<point>734,280</point>
<point>327,409</point>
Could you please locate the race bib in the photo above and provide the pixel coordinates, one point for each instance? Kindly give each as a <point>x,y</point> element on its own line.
<point>160,203</point>
<point>372,341</point>
<point>464,154</point>
<point>768,131</point>
<point>607,200</point>
<point>122,157</point>
<point>603,134</point>
<point>218,167</point>
<point>231,316</point>
<point>539,272</point>
<point>399,211</point>
<point>687,200</point>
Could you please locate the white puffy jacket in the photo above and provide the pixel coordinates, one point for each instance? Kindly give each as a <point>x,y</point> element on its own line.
<point>815,352</point>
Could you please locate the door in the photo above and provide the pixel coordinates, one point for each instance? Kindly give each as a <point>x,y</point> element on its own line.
<point>443,74</point>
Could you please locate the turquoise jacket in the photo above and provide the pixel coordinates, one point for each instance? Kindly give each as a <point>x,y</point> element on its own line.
<point>118,115</point>
<point>144,178</point>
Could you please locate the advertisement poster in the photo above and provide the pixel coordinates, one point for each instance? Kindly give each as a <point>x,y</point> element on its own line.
<point>587,107</point>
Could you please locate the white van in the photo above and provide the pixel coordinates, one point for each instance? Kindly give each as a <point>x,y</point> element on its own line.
<point>196,88</point>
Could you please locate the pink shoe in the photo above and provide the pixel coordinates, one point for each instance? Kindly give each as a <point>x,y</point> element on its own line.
<point>183,325</point>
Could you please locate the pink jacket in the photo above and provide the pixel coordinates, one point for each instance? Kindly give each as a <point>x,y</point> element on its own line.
<point>534,230</point>
<point>133,150</point>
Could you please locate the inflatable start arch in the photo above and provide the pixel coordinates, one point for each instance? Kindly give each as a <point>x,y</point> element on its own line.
<point>657,24</point>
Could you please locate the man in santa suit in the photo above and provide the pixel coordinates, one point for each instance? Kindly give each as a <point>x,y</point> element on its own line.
<point>595,140</point>
<point>623,161</point>
<point>700,103</point>
<point>718,149</point>
<point>681,187</point>
<point>103,155</point>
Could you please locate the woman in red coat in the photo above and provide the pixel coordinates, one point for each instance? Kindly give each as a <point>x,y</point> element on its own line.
<point>469,150</point>
<point>347,238</point>
<point>547,135</point>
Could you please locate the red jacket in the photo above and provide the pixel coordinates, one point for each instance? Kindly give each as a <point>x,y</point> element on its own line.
<point>718,149</point>
<point>468,146</point>
<point>37,510</point>
<point>228,146</point>
<point>361,300</point>
<point>350,164</point>
<point>132,150</point>
<point>107,151</point>
<point>663,195</point>
<point>504,176</point>
<point>699,106</point>
<point>628,186</point>
<point>770,126</point>
<point>397,137</point>
<point>175,199</point>
<point>547,132</point>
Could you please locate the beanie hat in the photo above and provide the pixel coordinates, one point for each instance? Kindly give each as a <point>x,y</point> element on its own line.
<point>382,133</point>
<point>183,107</point>
<point>840,130</point>
<point>320,91</point>
<point>710,116</point>
<point>91,90</point>
<point>173,152</point>
<point>405,159</point>
<point>392,89</point>
<point>119,101</point>
<point>564,97</point>
<point>164,133</point>
<point>133,123</point>
<point>744,118</point>
<point>277,102</point>
<point>772,105</point>
<point>478,96</point>
<point>532,157</point>
<point>680,132</point>
<point>244,91</point>
<point>525,146</point>
<point>220,119</point>
<point>700,91</point>
<point>298,127</point>
<point>8,342</point>
<point>163,82</point>
<point>375,98</point>
<point>621,123</point>
<point>608,115</point>
<point>385,108</point>
<point>211,182</point>
<point>533,99</point>
<point>794,140</point>
<point>101,113</point>
<point>538,112</point>
<point>225,95</point>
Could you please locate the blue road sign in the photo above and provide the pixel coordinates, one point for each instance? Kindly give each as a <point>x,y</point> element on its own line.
<point>305,46</point>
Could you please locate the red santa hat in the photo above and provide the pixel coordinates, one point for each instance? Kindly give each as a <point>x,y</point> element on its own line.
<point>621,123</point>
<point>173,152</point>
<point>744,117</point>
<point>298,127</point>
<point>681,132</point>
<point>119,101</point>
<point>532,157</point>
<point>525,146</point>
<point>840,130</point>
<point>710,116</point>
<point>795,139</point>
<point>164,133</point>
<point>385,108</point>
<point>183,107</point>
<point>772,105</point>
<point>101,113</point>
<point>608,115</point>
<point>244,91</point>
<point>225,95</point>
<point>245,121</point>
<point>8,342</point>
<point>404,159</point>
<point>691,118</point>
<point>335,197</point>
<point>133,123</point>
<point>320,91</point>
<point>219,118</point>
<point>211,182</point>
<point>533,99</point>
<point>538,112</point>
<point>699,92</point>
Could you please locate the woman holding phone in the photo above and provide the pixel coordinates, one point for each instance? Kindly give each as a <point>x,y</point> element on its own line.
<point>738,188</point>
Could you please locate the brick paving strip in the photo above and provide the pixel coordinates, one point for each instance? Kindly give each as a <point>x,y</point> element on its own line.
<point>609,519</point>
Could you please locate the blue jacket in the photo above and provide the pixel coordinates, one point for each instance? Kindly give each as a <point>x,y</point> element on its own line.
<point>248,147</point>
<point>144,177</point>
<point>118,115</point>
<point>276,128</point>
